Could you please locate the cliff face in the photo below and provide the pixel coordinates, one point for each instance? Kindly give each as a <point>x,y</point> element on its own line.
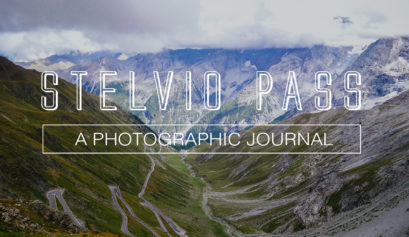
<point>384,67</point>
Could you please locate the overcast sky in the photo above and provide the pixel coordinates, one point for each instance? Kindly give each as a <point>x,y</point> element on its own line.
<point>38,28</point>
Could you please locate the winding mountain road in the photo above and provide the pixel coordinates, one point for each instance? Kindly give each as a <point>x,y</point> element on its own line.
<point>52,197</point>
<point>158,213</point>
<point>115,192</point>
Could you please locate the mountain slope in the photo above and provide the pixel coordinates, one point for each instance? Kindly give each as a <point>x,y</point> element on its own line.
<point>315,194</point>
<point>384,69</point>
<point>28,174</point>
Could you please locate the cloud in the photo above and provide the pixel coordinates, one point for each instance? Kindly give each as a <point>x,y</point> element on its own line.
<point>344,20</point>
<point>31,45</point>
<point>120,16</point>
<point>35,29</point>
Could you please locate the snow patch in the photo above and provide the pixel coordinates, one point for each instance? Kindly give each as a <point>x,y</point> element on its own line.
<point>122,57</point>
<point>369,103</point>
<point>40,66</point>
<point>397,67</point>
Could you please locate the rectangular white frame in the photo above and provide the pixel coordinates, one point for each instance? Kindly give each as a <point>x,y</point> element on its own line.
<point>201,153</point>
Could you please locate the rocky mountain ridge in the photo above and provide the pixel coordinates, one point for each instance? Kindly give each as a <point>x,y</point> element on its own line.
<point>383,66</point>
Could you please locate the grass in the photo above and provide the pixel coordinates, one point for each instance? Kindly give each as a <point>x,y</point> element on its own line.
<point>183,202</point>
<point>27,173</point>
<point>366,180</point>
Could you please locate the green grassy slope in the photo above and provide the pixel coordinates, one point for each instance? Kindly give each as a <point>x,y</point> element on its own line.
<point>26,173</point>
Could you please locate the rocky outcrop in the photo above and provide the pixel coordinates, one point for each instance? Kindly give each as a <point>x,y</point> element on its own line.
<point>34,217</point>
<point>312,209</point>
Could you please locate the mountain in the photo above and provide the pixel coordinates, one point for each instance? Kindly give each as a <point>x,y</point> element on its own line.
<point>164,198</point>
<point>384,69</point>
<point>383,66</point>
<point>363,194</point>
<point>236,67</point>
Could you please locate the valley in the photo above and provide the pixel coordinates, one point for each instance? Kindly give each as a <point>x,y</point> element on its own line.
<point>197,192</point>
<point>204,118</point>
